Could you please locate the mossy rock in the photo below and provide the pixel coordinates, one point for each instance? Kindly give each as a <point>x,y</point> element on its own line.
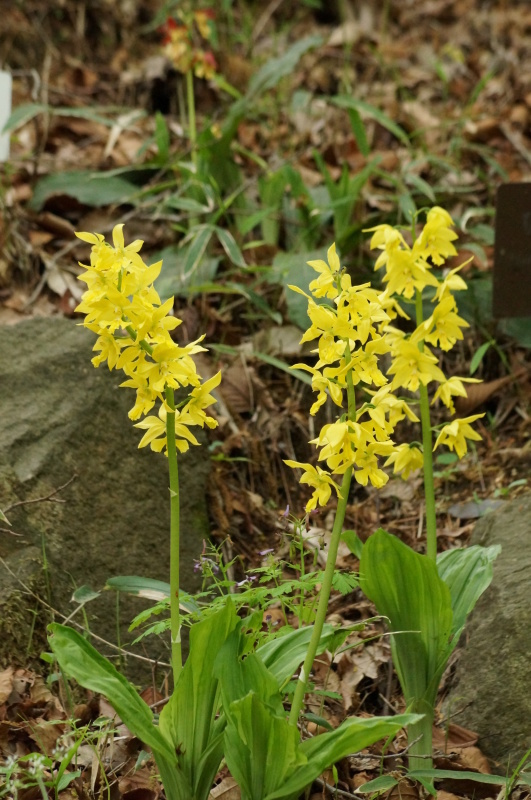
<point>65,424</point>
<point>490,692</point>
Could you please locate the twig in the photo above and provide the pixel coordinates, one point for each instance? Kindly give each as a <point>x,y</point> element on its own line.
<point>264,18</point>
<point>49,497</point>
<point>77,624</point>
<point>341,792</point>
<point>12,532</point>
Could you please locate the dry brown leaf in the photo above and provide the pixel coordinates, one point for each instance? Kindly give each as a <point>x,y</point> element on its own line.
<point>473,758</point>
<point>405,790</point>
<point>236,388</point>
<point>479,393</point>
<point>228,789</point>
<point>45,735</point>
<point>6,683</point>
<point>453,737</point>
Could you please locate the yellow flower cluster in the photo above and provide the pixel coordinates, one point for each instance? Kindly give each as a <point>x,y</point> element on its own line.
<point>407,272</point>
<point>355,329</point>
<point>351,337</point>
<point>133,327</point>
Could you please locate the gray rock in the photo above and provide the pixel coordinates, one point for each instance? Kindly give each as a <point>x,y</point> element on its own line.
<point>492,677</point>
<point>61,419</point>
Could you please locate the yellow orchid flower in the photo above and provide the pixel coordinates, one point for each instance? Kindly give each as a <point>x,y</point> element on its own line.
<point>455,434</point>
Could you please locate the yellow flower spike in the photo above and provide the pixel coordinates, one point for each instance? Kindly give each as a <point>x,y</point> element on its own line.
<point>411,367</point>
<point>452,282</point>
<point>319,479</point>
<point>155,435</point>
<point>200,398</point>
<point>90,238</point>
<point>405,460</point>
<point>435,240</point>
<point>385,237</point>
<point>386,403</point>
<point>366,469</point>
<point>455,434</point>
<point>326,284</point>
<point>444,325</point>
<point>405,275</point>
<point>453,387</point>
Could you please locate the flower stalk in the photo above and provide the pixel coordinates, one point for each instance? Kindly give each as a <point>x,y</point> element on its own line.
<point>173,469</point>
<point>133,326</point>
<point>427,448</point>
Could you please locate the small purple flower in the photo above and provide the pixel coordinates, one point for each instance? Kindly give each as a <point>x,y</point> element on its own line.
<point>200,565</point>
<point>250,579</point>
<point>286,512</point>
<point>266,552</point>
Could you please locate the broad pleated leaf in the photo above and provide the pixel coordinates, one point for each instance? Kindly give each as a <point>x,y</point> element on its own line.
<point>79,659</point>
<point>261,749</point>
<point>189,719</point>
<point>406,588</point>
<point>467,572</point>
<point>284,654</point>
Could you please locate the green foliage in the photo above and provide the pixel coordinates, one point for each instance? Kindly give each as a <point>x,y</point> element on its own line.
<point>343,197</point>
<point>90,188</point>
<point>262,748</point>
<point>188,743</point>
<point>426,605</point>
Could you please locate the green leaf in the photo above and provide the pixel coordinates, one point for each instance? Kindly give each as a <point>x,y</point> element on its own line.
<point>353,542</point>
<point>200,237</point>
<point>90,188</point>
<point>406,588</point>
<point>422,186</point>
<point>3,518</point>
<point>358,129</point>
<point>344,582</point>
<point>284,654</point>
<point>162,137</point>
<point>189,719</point>
<point>79,659</point>
<point>262,750</point>
<point>139,587</point>
<point>227,241</point>
<point>454,774</point>
<point>23,114</point>
<point>173,279</point>
<point>350,102</point>
<point>477,358</point>
<point>85,594</point>
<point>151,589</point>
<point>188,204</point>
<point>238,676</point>
<point>274,69</point>
<point>467,572</point>
<point>324,750</point>
<point>378,785</point>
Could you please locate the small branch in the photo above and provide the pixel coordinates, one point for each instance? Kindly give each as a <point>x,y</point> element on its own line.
<point>77,624</point>
<point>50,497</point>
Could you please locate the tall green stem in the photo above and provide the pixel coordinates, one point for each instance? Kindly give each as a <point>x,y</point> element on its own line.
<point>326,587</point>
<point>192,128</point>
<point>331,558</point>
<point>175,614</point>
<point>427,446</point>
<point>420,736</point>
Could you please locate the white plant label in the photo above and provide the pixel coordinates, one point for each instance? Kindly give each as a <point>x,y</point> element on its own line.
<point>5,112</point>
